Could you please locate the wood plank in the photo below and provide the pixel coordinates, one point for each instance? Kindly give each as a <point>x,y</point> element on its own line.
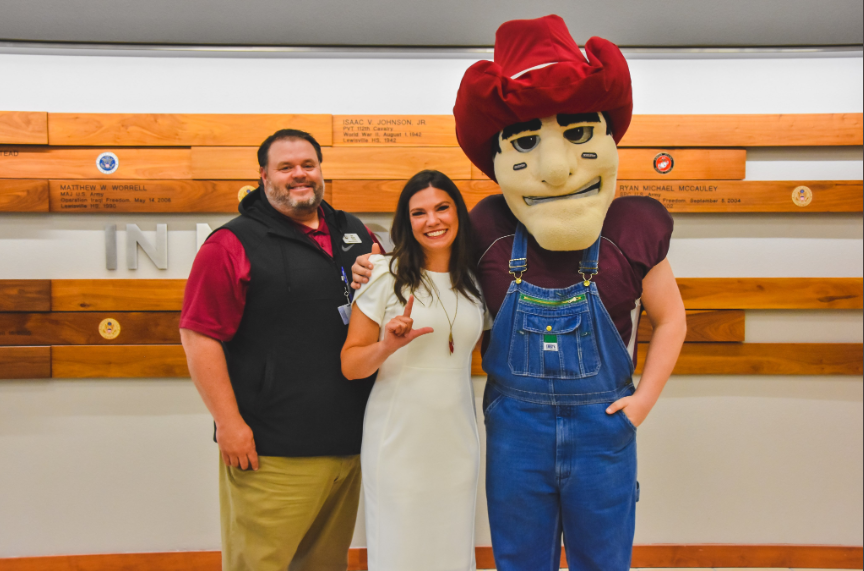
<point>394,130</point>
<point>644,556</point>
<point>117,295</point>
<point>766,359</point>
<point>762,556</point>
<point>698,293</point>
<point>182,561</point>
<point>25,295</point>
<point>25,362</point>
<point>726,326</point>
<point>755,359</point>
<point>74,196</point>
<point>21,195</point>
<point>791,130</point>
<point>82,328</point>
<point>749,196</point>
<point>383,195</point>
<point>179,129</point>
<point>689,164</point>
<point>77,163</point>
<point>23,128</point>
<point>676,196</point>
<point>772,293</point>
<point>347,163</point>
<point>118,361</point>
<point>162,327</point>
<point>225,163</point>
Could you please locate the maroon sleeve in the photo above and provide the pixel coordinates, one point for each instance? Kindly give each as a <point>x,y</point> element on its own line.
<point>641,227</point>
<point>491,219</point>
<point>216,290</point>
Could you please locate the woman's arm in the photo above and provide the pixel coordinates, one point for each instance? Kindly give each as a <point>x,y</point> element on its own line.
<point>665,308</point>
<point>363,354</point>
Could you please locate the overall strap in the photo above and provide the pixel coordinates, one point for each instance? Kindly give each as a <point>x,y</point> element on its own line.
<point>590,264</point>
<point>518,256</point>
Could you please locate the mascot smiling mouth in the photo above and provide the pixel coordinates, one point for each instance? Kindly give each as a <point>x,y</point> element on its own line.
<point>590,189</point>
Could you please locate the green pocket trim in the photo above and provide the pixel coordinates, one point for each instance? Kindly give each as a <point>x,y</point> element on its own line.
<point>529,299</point>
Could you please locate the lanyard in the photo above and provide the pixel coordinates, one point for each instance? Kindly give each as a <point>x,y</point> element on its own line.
<point>349,293</point>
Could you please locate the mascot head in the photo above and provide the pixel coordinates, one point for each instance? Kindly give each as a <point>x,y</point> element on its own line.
<point>544,122</point>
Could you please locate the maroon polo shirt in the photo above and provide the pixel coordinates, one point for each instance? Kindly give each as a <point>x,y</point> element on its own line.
<point>637,231</point>
<point>216,290</point>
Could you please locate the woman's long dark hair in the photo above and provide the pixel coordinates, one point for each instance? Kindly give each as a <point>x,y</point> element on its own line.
<point>408,257</point>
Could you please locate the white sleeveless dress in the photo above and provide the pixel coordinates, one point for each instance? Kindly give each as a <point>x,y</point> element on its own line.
<point>420,453</point>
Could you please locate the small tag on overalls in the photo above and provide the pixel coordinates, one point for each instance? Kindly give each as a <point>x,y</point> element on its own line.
<point>345,313</point>
<point>351,239</point>
<point>550,342</point>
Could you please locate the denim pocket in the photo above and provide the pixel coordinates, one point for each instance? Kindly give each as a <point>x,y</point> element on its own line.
<point>553,343</point>
<point>626,419</point>
<point>491,399</point>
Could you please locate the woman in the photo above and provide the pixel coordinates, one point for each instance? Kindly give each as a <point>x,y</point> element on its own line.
<point>420,454</point>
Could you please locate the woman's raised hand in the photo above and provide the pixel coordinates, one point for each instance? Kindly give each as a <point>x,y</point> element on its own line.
<point>400,331</point>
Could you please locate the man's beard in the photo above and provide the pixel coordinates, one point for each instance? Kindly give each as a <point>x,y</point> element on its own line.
<point>282,197</point>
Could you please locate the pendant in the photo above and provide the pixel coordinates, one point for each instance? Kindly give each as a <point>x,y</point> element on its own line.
<point>450,344</point>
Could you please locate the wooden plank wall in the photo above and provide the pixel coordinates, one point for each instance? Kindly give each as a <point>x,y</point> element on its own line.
<point>176,159</point>
<point>197,163</point>
<point>51,328</point>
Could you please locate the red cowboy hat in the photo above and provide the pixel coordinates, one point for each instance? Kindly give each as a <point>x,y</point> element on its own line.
<point>538,72</point>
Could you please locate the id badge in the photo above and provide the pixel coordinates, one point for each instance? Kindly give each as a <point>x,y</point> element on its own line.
<point>352,239</point>
<point>345,313</point>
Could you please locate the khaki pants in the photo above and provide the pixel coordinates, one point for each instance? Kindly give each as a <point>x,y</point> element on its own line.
<point>294,514</point>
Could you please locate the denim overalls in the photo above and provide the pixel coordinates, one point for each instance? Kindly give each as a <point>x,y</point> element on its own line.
<point>556,462</point>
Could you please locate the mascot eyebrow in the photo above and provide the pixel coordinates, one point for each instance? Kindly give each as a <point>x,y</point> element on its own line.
<point>564,119</point>
<point>516,128</point>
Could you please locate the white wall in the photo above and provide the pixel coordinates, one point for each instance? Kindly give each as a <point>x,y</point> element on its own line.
<point>121,466</point>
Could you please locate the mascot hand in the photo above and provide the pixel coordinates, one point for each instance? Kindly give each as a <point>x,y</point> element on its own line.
<point>633,407</point>
<point>361,271</point>
<point>399,331</point>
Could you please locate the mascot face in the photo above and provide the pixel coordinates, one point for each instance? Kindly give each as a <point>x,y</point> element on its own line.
<point>558,175</point>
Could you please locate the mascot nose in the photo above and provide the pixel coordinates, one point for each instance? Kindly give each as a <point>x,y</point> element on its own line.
<point>554,167</point>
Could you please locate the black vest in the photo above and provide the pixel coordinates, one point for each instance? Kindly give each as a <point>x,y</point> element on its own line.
<point>284,360</point>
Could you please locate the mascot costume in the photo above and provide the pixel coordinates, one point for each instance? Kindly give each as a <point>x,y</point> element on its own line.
<point>563,268</point>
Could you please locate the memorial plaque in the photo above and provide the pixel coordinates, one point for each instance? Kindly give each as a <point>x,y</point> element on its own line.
<point>749,196</point>
<point>78,163</point>
<point>395,130</point>
<point>145,195</point>
<point>90,328</point>
<point>23,128</point>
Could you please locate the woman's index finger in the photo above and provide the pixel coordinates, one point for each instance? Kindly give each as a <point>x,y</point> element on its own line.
<point>408,307</point>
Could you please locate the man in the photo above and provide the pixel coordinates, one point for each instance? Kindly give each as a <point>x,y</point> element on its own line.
<point>264,319</point>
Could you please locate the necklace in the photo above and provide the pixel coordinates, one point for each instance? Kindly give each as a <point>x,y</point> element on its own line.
<point>455,313</point>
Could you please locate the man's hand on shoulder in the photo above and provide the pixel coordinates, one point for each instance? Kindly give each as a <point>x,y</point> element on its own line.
<point>361,271</point>
<point>237,445</point>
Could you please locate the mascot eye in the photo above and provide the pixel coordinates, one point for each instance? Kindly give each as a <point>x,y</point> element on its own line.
<point>579,135</point>
<point>526,144</point>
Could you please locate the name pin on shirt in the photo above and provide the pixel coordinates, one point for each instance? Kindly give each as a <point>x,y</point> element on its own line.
<point>351,239</point>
